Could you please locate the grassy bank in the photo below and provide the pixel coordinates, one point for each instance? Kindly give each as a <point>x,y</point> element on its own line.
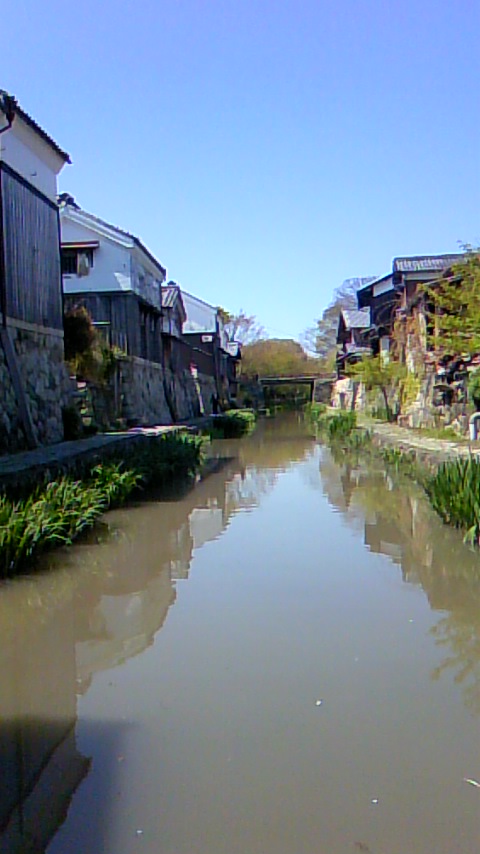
<point>454,492</point>
<point>233,424</point>
<point>453,487</point>
<point>338,428</point>
<point>57,512</point>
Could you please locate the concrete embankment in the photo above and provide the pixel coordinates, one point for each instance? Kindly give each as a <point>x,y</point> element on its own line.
<point>27,468</point>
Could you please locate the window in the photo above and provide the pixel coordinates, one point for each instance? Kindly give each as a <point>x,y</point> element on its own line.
<point>77,262</point>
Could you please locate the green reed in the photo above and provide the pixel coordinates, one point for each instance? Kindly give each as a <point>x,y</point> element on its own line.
<point>454,492</point>
<point>57,512</point>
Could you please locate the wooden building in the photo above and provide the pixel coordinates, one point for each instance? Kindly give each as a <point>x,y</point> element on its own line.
<point>399,295</point>
<point>118,280</point>
<point>31,357</point>
<point>204,329</point>
<point>352,338</point>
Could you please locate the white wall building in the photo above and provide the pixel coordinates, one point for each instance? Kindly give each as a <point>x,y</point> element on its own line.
<point>27,149</point>
<point>117,279</point>
<point>101,258</point>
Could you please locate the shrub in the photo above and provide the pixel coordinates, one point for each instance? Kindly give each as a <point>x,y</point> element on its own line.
<point>233,424</point>
<point>168,456</point>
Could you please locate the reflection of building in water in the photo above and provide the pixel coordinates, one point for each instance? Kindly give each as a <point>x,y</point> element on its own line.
<point>399,523</point>
<point>206,523</point>
<point>246,489</point>
<point>119,612</point>
<point>40,764</point>
<point>99,605</point>
<point>121,626</point>
<point>384,539</point>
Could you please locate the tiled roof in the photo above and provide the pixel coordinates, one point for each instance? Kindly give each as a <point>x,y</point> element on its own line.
<point>169,295</point>
<point>421,264</point>
<point>374,282</point>
<point>356,318</point>
<point>172,294</point>
<point>36,127</point>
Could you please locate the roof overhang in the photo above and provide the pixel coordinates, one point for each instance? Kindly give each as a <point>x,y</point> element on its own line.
<point>81,244</point>
<point>11,110</point>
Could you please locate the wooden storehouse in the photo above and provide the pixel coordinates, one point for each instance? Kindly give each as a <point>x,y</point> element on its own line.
<point>117,279</point>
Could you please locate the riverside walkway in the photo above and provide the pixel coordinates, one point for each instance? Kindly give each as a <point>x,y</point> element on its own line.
<point>424,447</point>
<point>29,466</point>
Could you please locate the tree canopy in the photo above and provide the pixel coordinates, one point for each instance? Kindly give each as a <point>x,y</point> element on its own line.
<point>377,374</point>
<point>454,308</point>
<point>279,357</point>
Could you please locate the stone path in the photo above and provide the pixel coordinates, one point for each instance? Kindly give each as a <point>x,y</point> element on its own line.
<point>423,446</point>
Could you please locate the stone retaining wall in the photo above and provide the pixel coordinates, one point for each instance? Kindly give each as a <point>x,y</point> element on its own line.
<point>322,391</point>
<point>349,394</point>
<point>142,393</point>
<point>428,411</point>
<point>40,358</point>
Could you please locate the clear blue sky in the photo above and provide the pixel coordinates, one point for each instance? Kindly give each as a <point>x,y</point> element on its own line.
<point>263,151</point>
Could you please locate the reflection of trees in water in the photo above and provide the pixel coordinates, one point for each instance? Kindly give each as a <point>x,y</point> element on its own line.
<point>275,444</point>
<point>274,447</point>
<point>247,488</point>
<point>458,631</point>
<point>398,522</point>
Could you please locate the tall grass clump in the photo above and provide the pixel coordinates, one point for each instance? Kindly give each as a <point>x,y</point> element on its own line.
<point>115,482</point>
<point>168,456</point>
<point>315,412</point>
<point>342,425</point>
<point>454,492</point>
<point>56,513</point>
<point>52,516</point>
<point>233,423</point>
<point>338,428</point>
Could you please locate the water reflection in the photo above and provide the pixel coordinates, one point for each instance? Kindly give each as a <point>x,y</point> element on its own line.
<point>92,609</point>
<point>398,522</point>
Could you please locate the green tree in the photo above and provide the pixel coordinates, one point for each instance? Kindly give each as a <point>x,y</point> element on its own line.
<point>376,374</point>
<point>277,357</point>
<point>453,308</point>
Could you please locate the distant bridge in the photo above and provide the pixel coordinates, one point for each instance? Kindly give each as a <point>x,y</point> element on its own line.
<point>298,380</point>
<point>324,382</point>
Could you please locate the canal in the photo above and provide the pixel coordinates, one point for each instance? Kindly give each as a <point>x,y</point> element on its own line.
<point>284,659</point>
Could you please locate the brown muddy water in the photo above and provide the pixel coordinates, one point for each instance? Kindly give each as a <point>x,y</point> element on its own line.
<point>284,660</point>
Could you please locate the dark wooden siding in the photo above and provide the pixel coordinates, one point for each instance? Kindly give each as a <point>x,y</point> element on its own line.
<point>383,310</point>
<point>126,322</point>
<point>188,354</point>
<point>33,288</point>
